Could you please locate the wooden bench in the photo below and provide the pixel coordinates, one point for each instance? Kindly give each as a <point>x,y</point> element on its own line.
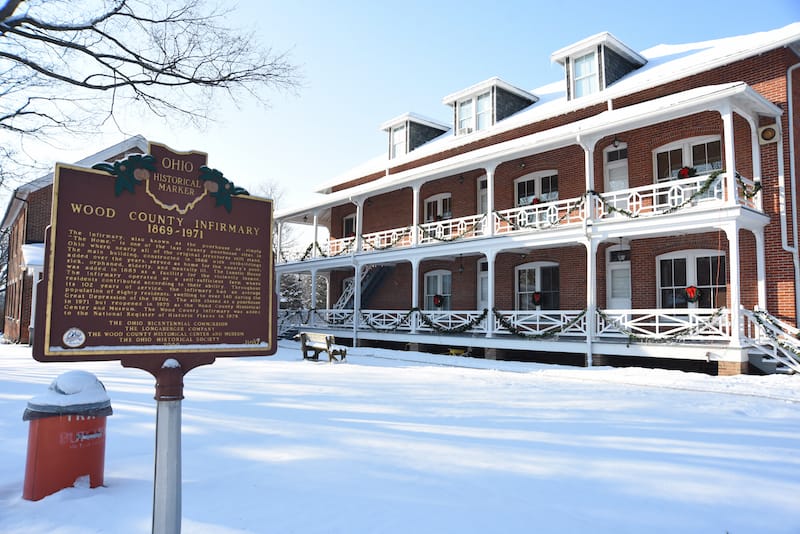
<point>315,342</point>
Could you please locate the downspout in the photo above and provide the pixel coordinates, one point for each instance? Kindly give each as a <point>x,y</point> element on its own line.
<point>793,184</point>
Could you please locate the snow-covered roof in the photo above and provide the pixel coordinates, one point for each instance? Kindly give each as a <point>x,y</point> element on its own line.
<point>22,192</point>
<point>604,38</point>
<point>413,117</point>
<point>480,87</point>
<point>33,255</point>
<point>665,63</point>
<point>739,94</point>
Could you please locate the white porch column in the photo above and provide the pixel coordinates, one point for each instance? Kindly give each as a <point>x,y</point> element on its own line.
<point>591,295</point>
<point>490,198</point>
<point>356,300</point>
<point>755,150</point>
<point>588,171</point>
<point>737,331</point>
<point>315,245</point>
<point>415,215</point>
<point>359,225</point>
<point>313,299</point>
<point>761,269</point>
<point>491,257</point>
<point>278,241</point>
<point>730,158</point>
<point>414,292</point>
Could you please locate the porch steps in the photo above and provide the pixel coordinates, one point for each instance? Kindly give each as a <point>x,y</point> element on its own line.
<point>774,344</point>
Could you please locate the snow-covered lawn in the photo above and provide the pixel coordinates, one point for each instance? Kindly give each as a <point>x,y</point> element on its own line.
<point>401,442</point>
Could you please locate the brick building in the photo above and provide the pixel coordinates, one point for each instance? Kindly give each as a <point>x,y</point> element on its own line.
<point>27,216</point>
<point>640,211</point>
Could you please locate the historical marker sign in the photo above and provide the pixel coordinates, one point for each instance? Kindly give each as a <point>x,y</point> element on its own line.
<point>156,254</point>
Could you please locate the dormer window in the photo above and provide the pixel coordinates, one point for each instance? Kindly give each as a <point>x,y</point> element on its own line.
<point>475,113</point>
<point>482,105</point>
<point>398,141</point>
<point>409,131</point>
<point>585,69</point>
<point>595,63</point>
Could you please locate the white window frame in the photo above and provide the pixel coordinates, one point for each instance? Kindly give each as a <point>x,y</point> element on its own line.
<point>537,265</point>
<point>535,177</point>
<point>593,77</point>
<point>470,123</point>
<point>439,199</point>
<point>685,145</point>
<point>349,219</point>
<point>398,147</point>
<point>428,294</point>
<point>690,255</point>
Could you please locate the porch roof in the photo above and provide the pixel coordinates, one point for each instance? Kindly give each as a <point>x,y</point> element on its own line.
<point>738,95</point>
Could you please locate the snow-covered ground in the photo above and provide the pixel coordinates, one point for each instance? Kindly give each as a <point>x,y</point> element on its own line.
<point>401,442</point>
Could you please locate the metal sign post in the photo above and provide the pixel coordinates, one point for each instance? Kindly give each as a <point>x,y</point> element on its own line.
<point>167,480</point>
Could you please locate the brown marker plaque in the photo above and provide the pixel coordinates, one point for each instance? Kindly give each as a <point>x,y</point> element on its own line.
<point>165,257</point>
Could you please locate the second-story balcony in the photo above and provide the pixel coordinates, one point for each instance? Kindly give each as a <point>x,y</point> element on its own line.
<point>702,192</point>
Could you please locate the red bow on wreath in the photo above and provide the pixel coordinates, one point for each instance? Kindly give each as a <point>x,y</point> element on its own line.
<point>537,297</point>
<point>686,172</point>
<point>438,300</point>
<point>692,294</point>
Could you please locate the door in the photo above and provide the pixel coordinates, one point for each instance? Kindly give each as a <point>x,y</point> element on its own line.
<point>618,277</point>
<point>483,285</point>
<point>616,175</point>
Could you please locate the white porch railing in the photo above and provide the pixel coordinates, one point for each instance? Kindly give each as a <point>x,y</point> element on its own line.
<point>451,229</point>
<point>396,237</point>
<point>773,338</point>
<point>466,321</point>
<point>541,323</point>
<point>638,202</point>
<point>660,198</point>
<point>699,324</point>
<point>540,216</point>
<point>385,320</point>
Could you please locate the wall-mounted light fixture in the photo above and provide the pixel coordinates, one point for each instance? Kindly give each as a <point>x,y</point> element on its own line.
<point>616,142</point>
<point>461,178</point>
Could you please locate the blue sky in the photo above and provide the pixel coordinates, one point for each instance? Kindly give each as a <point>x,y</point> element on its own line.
<point>365,62</point>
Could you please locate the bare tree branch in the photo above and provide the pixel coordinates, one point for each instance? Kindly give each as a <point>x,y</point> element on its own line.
<point>66,64</point>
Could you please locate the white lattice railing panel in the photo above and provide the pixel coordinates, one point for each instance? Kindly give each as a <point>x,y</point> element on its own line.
<point>568,323</point>
<point>660,198</point>
<point>385,320</point>
<point>674,324</point>
<point>451,229</point>
<point>540,216</point>
<point>433,320</point>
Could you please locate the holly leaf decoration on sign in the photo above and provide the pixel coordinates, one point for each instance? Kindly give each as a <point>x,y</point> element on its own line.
<point>220,187</point>
<point>131,171</point>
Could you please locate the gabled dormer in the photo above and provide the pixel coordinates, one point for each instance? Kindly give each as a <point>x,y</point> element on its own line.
<point>409,131</point>
<point>486,103</point>
<point>595,63</point>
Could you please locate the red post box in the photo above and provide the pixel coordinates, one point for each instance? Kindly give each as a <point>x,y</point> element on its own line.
<point>67,435</point>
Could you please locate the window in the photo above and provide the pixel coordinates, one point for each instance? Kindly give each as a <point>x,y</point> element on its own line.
<point>349,225</point>
<point>398,142</point>
<point>585,78</point>
<point>704,154</point>
<point>539,187</point>
<point>483,112</point>
<point>704,269</point>
<point>537,281</point>
<point>438,207</point>
<point>437,290</point>
<point>474,113</point>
